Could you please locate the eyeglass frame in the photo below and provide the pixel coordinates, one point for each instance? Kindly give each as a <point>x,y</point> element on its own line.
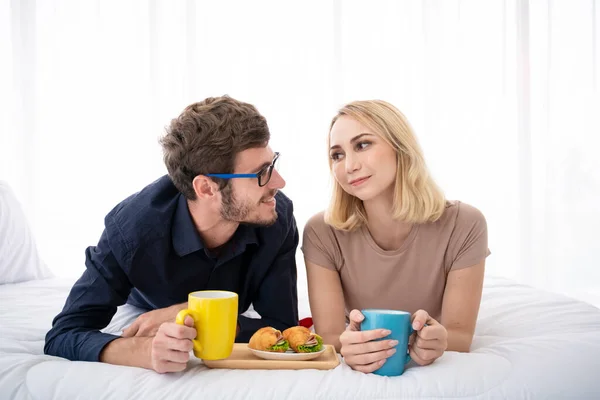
<point>257,175</point>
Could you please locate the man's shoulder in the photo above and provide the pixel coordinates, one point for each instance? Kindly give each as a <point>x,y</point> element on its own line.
<point>284,207</point>
<point>284,203</point>
<point>146,210</point>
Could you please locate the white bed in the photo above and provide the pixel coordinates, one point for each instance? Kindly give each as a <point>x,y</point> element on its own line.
<point>528,344</point>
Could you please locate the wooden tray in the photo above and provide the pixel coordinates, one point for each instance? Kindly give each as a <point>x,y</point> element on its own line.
<point>242,358</point>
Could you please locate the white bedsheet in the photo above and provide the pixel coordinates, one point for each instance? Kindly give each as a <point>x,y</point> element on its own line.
<point>529,344</point>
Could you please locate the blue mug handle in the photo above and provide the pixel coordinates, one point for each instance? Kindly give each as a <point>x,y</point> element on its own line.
<point>408,358</point>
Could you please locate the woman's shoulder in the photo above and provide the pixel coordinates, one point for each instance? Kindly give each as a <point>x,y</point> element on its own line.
<point>318,224</point>
<point>316,221</point>
<point>463,214</point>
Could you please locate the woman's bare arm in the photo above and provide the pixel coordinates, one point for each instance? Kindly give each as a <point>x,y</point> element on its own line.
<point>460,306</point>
<point>326,303</point>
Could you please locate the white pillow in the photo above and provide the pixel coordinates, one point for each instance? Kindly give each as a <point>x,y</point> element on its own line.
<point>19,259</point>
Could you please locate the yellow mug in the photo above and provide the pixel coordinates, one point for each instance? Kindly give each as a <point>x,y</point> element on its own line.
<point>215,319</point>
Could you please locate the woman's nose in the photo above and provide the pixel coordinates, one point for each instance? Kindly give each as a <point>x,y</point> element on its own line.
<point>352,163</point>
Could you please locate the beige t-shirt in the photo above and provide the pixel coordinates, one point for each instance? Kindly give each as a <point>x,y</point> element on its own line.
<point>410,278</point>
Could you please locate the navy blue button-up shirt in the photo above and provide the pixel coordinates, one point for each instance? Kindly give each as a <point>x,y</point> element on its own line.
<point>150,255</point>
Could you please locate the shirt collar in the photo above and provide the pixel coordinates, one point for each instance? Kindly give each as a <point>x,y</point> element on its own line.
<point>187,240</point>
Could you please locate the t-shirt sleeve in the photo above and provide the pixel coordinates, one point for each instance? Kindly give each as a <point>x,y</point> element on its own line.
<point>319,244</point>
<point>469,242</point>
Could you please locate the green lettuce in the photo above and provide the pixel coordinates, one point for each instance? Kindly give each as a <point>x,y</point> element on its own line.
<point>312,349</point>
<point>284,346</point>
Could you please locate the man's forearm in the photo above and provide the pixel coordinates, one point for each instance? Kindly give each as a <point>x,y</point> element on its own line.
<point>133,352</point>
<point>459,340</point>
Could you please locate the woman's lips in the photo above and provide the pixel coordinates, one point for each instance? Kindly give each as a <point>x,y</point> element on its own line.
<point>359,181</point>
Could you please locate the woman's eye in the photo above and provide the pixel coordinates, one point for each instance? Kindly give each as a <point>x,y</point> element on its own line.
<point>336,156</point>
<point>363,145</point>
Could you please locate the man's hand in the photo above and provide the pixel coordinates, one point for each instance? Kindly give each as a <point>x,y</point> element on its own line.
<point>171,346</point>
<point>148,323</point>
<point>430,340</point>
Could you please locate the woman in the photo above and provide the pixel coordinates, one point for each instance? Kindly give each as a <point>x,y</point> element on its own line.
<point>390,239</point>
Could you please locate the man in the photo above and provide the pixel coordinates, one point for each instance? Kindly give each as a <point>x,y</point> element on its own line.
<point>217,221</point>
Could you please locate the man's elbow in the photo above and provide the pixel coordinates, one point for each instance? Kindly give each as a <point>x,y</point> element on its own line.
<point>53,343</point>
<point>50,347</point>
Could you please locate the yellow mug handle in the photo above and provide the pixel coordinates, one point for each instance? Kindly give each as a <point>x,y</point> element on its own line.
<point>180,320</point>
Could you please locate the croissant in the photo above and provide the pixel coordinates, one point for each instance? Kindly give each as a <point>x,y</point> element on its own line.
<point>302,340</point>
<point>268,339</point>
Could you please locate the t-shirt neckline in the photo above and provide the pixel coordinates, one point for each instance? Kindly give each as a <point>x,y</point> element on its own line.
<point>405,245</point>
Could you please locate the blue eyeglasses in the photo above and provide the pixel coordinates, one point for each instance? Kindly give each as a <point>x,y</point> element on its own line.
<point>264,175</point>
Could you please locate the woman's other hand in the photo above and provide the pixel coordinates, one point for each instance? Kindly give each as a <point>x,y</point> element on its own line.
<point>359,348</point>
<point>430,339</point>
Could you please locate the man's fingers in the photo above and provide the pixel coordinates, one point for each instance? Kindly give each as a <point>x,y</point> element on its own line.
<point>171,329</point>
<point>132,329</point>
<point>184,345</point>
<point>189,321</point>
<point>356,318</point>
<point>178,356</point>
<point>169,366</point>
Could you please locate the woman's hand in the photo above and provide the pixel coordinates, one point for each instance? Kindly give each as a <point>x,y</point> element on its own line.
<point>430,339</point>
<point>359,350</point>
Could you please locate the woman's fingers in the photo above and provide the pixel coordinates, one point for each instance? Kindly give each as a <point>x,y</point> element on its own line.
<point>369,359</point>
<point>355,318</point>
<point>354,337</point>
<point>422,356</point>
<point>427,344</point>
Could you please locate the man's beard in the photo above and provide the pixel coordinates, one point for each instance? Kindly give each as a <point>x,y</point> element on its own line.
<point>232,210</point>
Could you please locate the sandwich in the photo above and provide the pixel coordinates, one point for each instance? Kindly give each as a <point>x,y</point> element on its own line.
<point>302,340</point>
<point>268,339</point>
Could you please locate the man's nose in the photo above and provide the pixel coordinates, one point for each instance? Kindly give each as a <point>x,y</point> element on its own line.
<point>276,181</point>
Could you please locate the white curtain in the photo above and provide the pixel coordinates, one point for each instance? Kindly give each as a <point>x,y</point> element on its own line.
<point>504,96</point>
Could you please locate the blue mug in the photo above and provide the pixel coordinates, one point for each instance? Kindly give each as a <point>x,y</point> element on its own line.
<point>399,323</point>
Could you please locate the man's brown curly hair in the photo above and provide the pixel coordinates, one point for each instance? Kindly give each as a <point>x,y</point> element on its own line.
<point>207,137</point>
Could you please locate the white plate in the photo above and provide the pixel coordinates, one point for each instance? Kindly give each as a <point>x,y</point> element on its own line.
<point>290,355</point>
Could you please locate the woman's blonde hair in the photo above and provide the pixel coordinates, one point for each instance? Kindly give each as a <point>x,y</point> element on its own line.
<point>417,198</point>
